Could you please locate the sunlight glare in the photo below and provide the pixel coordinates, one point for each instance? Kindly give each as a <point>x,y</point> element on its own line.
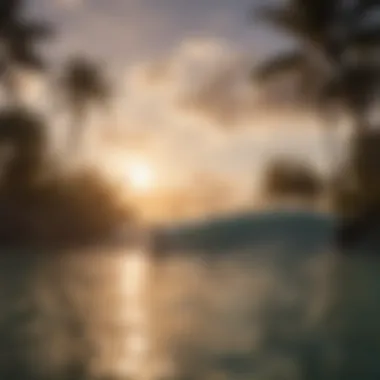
<point>140,176</point>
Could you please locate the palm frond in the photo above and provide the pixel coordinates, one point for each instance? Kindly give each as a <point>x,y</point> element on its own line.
<point>284,18</point>
<point>282,64</point>
<point>18,39</point>
<point>355,87</point>
<point>9,9</point>
<point>318,14</point>
<point>84,79</point>
<point>367,37</point>
<point>356,24</point>
<point>310,20</point>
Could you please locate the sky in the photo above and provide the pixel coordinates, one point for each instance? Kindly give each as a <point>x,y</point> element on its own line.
<point>130,29</point>
<point>182,69</point>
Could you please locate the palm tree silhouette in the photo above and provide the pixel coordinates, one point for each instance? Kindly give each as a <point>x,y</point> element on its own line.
<point>18,39</point>
<point>310,22</point>
<point>84,85</point>
<point>327,63</point>
<point>333,68</point>
<point>313,62</point>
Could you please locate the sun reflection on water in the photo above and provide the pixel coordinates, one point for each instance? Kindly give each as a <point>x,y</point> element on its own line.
<point>133,275</point>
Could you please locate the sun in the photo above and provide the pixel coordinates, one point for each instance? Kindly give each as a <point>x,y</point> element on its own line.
<point>140,176</point>
<point>134,172</point>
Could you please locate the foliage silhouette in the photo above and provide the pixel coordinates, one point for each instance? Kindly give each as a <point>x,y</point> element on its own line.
<point>83,84</point>
<point>62,211</point>
<point>336,65</point>
<point>286,178</point>
<point>43,210</point>
<point>355,90</point>
<point>24,133</point>
<point>41,204</point>
<point>356,198</point>
<point>309,22</point>
<point>18,39</point>
<point>329,35</point>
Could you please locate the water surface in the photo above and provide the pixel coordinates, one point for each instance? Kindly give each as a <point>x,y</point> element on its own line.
<point>260,296</point>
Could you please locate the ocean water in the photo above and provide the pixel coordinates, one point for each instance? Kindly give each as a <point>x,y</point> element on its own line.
<point>260,296</point>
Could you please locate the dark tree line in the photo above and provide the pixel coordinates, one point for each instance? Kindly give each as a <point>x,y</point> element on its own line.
<point>38,204</point>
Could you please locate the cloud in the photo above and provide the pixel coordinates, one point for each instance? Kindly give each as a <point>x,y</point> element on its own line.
<point>196,108</point>
<point>203,78</point>
<point>184,100</point>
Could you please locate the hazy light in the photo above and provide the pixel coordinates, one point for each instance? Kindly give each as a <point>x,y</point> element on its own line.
<point>140,176</point>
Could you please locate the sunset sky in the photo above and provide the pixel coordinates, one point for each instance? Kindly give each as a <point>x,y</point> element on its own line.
<point>182,69</point>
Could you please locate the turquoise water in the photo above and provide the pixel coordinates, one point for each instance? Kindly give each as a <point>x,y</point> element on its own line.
<point>255,296</point>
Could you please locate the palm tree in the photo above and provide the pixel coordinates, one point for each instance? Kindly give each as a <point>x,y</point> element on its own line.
<point>309,22</point>
<point>312,63</point>
<point>327,62</point>
<point>84,85</point>
<point>18,37</point>
<point>333,67</point>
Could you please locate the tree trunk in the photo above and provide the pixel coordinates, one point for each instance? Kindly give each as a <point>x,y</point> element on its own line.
<point>77,128</point>
<point>365,171</point>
